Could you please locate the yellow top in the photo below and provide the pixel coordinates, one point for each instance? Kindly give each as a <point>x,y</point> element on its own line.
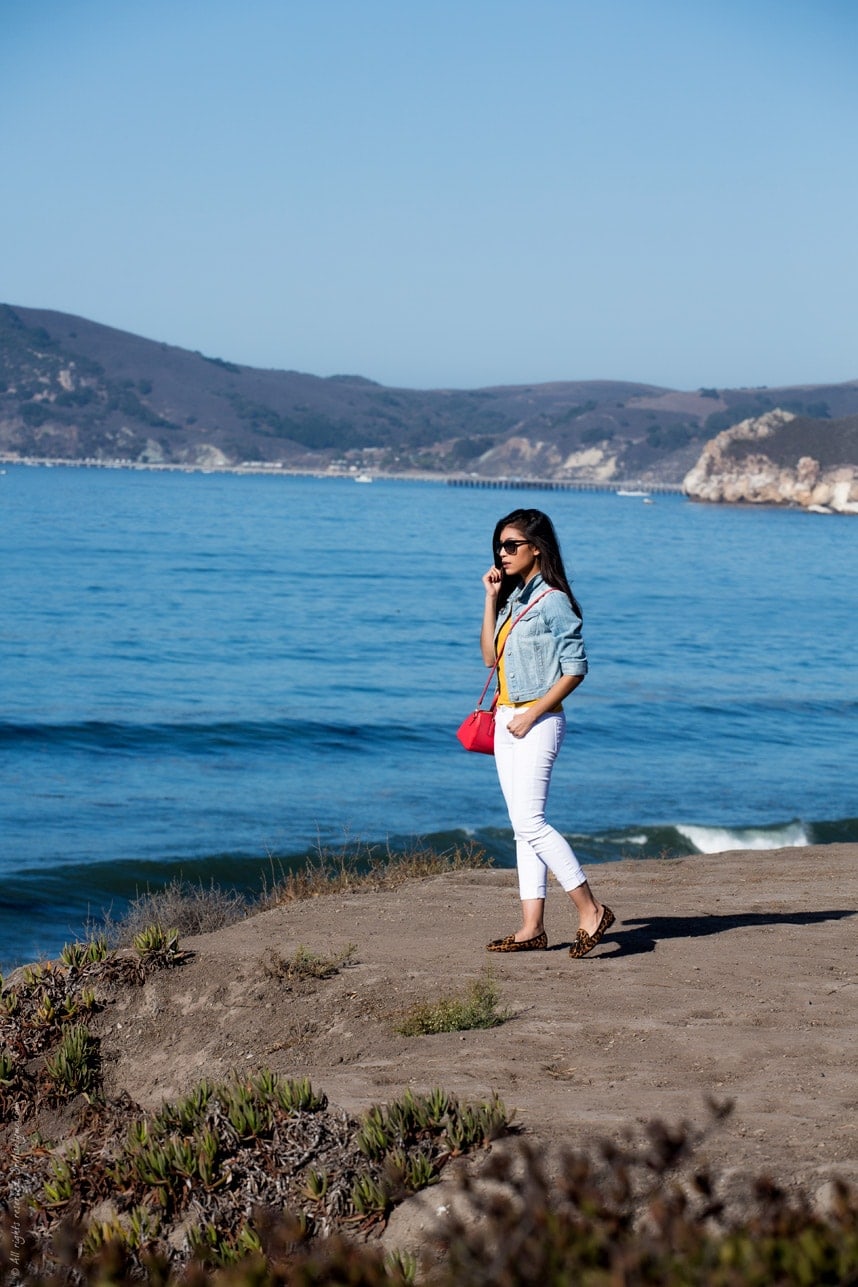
<point>503,691</point>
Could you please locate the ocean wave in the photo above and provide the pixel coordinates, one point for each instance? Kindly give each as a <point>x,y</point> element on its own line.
<point>672,840</point>
<point>124,876</point>
<point>716,840</point>
<point>199,737</point>
<point>787,835</point>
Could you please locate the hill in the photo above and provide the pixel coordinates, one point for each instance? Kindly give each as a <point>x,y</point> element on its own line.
<point>72,389</point>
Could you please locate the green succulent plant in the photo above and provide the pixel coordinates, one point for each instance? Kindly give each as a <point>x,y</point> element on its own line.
<point>157,941</point>
<point>74,1067</point>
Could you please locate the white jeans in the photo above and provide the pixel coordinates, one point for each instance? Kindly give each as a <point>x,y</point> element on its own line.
<point>524,769</point>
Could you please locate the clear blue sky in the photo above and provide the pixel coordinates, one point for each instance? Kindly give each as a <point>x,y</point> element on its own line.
<point>443,192</point>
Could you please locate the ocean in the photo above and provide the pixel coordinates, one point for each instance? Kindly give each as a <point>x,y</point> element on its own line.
<point>213,676</point>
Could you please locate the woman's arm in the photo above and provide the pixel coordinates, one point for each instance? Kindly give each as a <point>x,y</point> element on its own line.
<point>565,624</point>
<point>492,582</point>
<point>524,721</point>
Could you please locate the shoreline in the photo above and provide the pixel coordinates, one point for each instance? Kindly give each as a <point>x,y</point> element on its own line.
<point>664,843</point>
<point>628,488</point>
<point>355,473</point>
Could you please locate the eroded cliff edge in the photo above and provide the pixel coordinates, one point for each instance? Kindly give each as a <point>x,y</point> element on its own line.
<point>781,459</point>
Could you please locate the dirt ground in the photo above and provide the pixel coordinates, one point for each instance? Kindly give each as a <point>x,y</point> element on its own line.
<point>732,975</point>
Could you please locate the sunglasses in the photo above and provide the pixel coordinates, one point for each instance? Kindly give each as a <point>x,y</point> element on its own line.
<point>509,547</point>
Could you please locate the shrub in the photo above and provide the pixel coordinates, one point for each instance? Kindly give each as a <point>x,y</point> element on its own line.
<point>629,1218</point>
<point>669,437</point>
<point>596,433</point>
<point>202,909</point>
<point>77,955</point>
<point>45,1047</point>
<point>189,908</point>
<point>154,940</point>
<point>642,1211</point>
<point>304,964</point>
<point>474,1008</point>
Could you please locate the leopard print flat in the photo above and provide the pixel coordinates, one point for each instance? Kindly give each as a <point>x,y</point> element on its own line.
<point>509,944</point>
<point>585,942</point>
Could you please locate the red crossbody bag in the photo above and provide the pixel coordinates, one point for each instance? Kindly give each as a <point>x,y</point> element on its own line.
<point>477,731</point>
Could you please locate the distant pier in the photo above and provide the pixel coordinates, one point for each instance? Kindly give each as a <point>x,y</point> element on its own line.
<point>632,487</point>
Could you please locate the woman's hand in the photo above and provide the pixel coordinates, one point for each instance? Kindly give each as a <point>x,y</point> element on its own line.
<point>492,582</point>
<point>521,724</point>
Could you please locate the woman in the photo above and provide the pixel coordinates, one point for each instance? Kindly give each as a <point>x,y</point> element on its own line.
<point>532,622</point>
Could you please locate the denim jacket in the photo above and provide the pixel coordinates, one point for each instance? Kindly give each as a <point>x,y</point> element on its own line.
<point>545,645</point>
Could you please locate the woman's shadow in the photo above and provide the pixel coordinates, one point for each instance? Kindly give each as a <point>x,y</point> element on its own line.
<point>632,937</point>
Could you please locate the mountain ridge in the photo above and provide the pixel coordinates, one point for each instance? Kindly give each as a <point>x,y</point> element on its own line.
<point>75,389</point>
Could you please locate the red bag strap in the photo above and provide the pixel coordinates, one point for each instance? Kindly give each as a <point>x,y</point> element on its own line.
<point>551,590</point>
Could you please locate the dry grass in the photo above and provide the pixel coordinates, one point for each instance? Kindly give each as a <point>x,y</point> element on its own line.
<point>303,964</point>
<point>334,871</point>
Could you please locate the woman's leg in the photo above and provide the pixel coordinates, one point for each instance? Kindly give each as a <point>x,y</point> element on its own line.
<point>531,868</point>
<point>524,769</point>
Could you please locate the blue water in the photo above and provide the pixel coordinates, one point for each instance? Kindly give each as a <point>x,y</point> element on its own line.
<point>210,675</point>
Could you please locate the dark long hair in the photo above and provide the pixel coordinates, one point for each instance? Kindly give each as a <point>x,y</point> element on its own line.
<point>539,531</point>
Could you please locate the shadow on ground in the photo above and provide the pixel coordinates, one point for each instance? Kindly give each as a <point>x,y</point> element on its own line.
<point>633,937</point>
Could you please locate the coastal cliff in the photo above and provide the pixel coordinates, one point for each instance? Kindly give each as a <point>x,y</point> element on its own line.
<point>781,459</point>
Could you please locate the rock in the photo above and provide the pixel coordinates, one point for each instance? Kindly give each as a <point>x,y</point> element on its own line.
<point>207,456</point>
<point>591,462</point>
<point>750,463</point>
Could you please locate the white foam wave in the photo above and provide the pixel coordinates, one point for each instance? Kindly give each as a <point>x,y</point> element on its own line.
<point>716,840</point>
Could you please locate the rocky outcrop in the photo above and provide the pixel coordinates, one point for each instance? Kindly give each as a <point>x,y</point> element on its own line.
<point>520,456</point>
<point>779,459</point>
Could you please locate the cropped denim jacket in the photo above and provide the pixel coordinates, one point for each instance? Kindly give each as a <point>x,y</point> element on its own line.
<point>545,645</point>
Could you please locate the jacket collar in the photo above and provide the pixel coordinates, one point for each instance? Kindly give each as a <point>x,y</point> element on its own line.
<point>526,593</point>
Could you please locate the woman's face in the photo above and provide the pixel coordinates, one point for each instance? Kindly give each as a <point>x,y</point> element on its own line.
<point>525,561</point>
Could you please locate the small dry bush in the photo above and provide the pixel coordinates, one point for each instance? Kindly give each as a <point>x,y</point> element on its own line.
<point>475,1007</point>
<point>187,907</point>
<point>641,1213</point>
<point>303,964</point>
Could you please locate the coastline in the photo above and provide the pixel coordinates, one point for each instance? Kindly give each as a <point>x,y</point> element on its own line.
<point>627,488</point>
<point>354,473</point>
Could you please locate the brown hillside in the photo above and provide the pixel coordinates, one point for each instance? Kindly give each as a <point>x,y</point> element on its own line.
<point>73,389</point>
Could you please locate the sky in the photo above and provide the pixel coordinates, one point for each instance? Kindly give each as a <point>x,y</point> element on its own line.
<point>443,193</point>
